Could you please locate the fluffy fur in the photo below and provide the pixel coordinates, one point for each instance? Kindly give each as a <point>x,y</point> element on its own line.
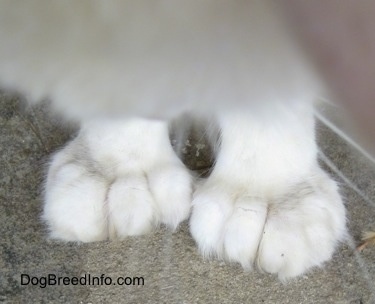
<point>267,202</point>
<point>146,57</point>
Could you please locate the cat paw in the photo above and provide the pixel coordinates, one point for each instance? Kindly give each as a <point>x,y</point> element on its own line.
<point>116,179</point>
<point>285,235</point>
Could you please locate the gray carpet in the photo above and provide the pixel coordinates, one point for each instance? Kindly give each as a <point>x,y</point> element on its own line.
<point>172,270</point>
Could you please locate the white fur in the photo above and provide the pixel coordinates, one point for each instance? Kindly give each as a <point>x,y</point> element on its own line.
<point>153,58</point>
<point>266,201</point>
<point>117,178</point>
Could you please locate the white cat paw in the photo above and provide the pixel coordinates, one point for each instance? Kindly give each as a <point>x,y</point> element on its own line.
<point>285,235</point>
<point>116,179</point>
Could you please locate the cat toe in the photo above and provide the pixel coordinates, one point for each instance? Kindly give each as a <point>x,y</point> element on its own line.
<point>74,209</point>
<point>228,227</point>
<point>302,229</point>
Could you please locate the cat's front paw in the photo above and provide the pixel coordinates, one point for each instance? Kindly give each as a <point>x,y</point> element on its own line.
<point>116,179</point>
<point>286,234</point>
